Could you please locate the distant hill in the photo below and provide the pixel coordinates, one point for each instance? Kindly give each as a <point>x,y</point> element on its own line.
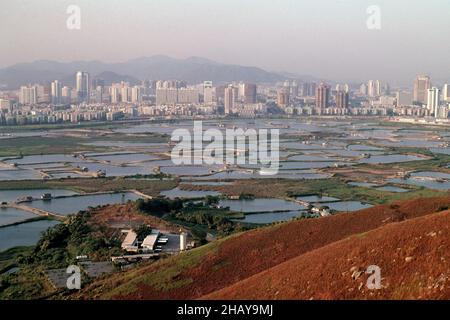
<point>307,258</point>
<point>193,70</point>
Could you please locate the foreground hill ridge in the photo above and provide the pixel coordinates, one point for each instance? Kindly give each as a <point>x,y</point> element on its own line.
<point>413,256</point>
<point>227,262</point>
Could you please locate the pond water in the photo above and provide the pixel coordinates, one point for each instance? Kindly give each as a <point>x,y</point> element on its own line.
<point>261,205</point>
<point>424,143</point>
<point>266,218</point>
<point>316,198</point>
<point>282,174</point>
<point>427,179</point>
<point>361,147</point>
<point>46,158</point>
<point>310,165</point>
<point>346,205</point>
<point>362,184</point>
<point>309,158</point>
<point>13,195</point>
<point>393,189</point>
<point>12,215</point>
<point>19,174</point>
<point>391,158</point>
<point>70,205</point>
<point>441,150</point>
<point>189,170</point>
<point>123,144</point>
<point>210,183</point>
<point>116,171</point>
<point>187,194</point>
<point>125,158</point>
<point>26,234</point>
<point>302,146</point>
<point>431,174</point>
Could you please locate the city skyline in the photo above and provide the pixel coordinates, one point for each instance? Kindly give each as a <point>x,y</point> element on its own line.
<point>331,41</point>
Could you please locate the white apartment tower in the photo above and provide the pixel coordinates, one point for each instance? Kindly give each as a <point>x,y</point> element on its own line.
<point>28,95</point>
<point>83,86</point>
<point>433,100</point>
<point>56,92</point>
<point>208,97</point>
<point>229,99</point>
<point>421,86</point>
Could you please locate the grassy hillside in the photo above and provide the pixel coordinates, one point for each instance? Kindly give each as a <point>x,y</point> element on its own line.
<point>221,264</point>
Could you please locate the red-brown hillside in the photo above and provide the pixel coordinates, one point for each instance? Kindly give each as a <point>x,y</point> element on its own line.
<point>237,258</point>
<point>414,258</point>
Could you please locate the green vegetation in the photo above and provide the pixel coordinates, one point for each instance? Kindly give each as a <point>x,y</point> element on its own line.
<point>57,248</point>
<point>163,275</point>
<point>44,145</point>
<point>158,206</point>
<point>341,190</point>
<point>150,187</point>
<point>333,187</point>
<point>200,217</point>
<point>142,231</point>
<point>34,219</point>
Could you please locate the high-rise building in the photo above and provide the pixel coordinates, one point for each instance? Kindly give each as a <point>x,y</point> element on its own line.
<point>28,95</point>
<point>404,99</point>
<point>294,89</point>
<point>363,89</point>
<point>208,97</point>
<point>125,93</point>
<point>136,94</point>
<point>98,83</point>
<point>322,96</point>
<point>342,99</point>
<point>283,96</point>
<point>187,96</point>
<point>83,86</point>
<point>308,89</point>
<point>249,93</point>
<point>387,89</point>
<point>99,94</point>
<point>115,94</point>
<point>433,100</point>
<point>56,92</point>
<point>374,88</point>
<point>421,86</point>
<point>66,94</point>
<point>173,96</point>
<point>229,99</point>
<point>446,93</point>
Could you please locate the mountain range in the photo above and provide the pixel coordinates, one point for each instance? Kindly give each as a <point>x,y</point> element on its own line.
<point>193,70</point>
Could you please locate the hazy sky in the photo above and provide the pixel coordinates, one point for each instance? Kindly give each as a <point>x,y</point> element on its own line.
<point>325,38</point>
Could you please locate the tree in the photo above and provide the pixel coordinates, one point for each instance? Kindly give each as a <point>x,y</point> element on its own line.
<point>142,231</point>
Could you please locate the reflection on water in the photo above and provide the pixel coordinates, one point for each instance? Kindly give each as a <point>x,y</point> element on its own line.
<point>70,205</point>
<point>392,158</point>
<point>266,218</point>
<point>261,205</point>
<point>346,205</point>
<point>26,234</point>
<point>12,215</point>
<point>177,193</point>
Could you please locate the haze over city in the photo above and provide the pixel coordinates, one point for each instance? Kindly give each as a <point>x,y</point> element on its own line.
<point>326,39</point>
<point>246,150</point>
